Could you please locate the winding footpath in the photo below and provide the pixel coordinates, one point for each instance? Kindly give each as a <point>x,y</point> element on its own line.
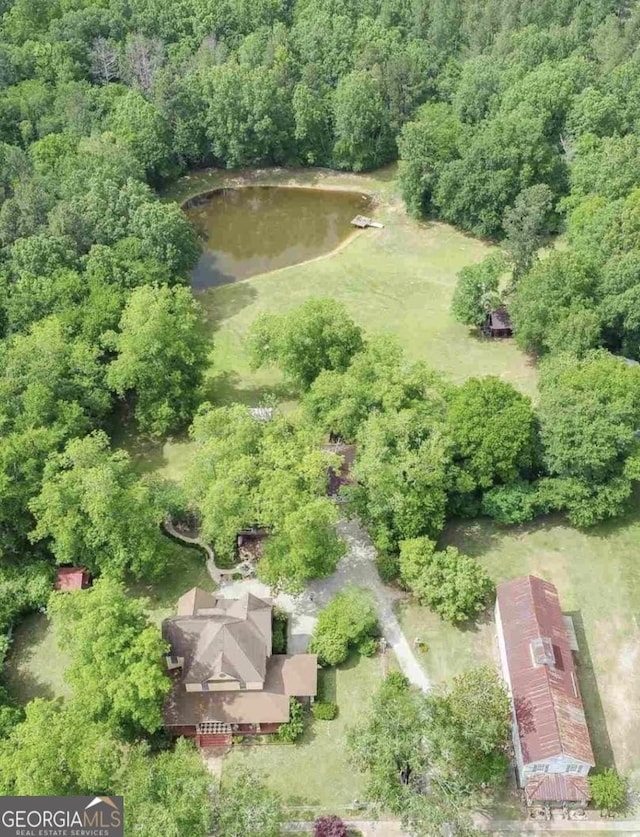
<point>217,575</point>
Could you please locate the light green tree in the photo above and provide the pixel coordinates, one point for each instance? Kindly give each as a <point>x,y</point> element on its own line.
<point>97,512</point>
<point>347,621</point>
<point>117,667</point>
<point>318,335</point>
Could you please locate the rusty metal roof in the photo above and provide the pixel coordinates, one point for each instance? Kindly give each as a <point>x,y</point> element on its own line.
<point>547,702</point>
<point>71,578</point>
<point>557,787</point>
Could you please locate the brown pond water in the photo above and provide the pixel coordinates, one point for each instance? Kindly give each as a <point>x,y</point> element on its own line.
<point>255,229</point>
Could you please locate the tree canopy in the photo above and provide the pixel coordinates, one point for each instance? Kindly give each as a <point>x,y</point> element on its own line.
<point>96,512</point>
<point>116,669</point>
<point>346,622</point>
<point>247,472</point>
<point>318,335</point>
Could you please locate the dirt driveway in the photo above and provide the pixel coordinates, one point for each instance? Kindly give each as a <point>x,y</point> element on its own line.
<point>357,567</point>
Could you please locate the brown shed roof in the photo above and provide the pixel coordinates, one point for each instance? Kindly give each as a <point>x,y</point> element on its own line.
<point>499,319</point>
<point>548,706</point>
<point>287,676</point>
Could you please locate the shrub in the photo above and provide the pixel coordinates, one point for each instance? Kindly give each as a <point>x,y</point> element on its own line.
<point>324,710</point>
<point>388,566</point>
<point>452,584</point>
<point>279,624</point>
<point>329,826</point>
<point>368,647</point>
<point>344,623</point>
<point>609,790</point>
<point>294,728</point>
<point>515,503</point>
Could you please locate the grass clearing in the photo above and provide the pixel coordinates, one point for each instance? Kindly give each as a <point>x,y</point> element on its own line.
<point>597,573</point>
<point>315,771</point>
<point>35,665</point>
<point>399,280</point>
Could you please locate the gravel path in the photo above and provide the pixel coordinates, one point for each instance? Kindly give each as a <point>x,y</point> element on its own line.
<point>357,567</point>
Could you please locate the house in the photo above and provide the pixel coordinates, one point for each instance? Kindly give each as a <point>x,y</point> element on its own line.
<point>336,479</point>
<point>550,734</point>
<point>72,578</point>
<point>498,323</point>
<point>250,542</point>
<point>225,679</point>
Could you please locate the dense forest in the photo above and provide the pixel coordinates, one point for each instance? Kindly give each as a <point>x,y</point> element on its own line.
<point>515,120</point>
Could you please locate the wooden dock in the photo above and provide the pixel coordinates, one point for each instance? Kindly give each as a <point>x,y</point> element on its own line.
<point>362,222</point>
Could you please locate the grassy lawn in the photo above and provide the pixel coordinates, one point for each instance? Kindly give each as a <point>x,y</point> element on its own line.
<point>314,772</point>
<point>398,280</point>
<point>35,665</point>
<point>597,573</point>
<point>187,570</point>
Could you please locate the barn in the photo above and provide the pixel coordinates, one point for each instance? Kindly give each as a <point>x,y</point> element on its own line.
<point>550,735</point>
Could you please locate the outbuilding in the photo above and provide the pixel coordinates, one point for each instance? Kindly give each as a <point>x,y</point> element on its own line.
<point>550,735</point>
<point>72,578</point>
<point>498,323</point>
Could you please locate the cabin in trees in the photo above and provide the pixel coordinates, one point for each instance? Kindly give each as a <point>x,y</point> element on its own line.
<point>498,323</point>
<point>72,578</point>
<point>550,734</point>
<point>337,478</point>
<point>225,680</point>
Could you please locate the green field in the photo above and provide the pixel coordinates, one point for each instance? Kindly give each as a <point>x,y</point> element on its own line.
<point>398,280</point>
<point>315,771</point>
<point>35,664</point>
<point>597,573</point>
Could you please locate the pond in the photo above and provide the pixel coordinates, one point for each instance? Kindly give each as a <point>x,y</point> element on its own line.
<point>256,229</point>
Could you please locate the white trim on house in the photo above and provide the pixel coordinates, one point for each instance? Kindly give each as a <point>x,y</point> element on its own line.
<point>515,735</point>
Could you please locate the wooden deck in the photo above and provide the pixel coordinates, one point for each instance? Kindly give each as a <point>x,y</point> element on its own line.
<point>363,222</point>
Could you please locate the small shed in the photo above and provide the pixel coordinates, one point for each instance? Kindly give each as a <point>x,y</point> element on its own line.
<point>72,578</point>
<point>498,323</point>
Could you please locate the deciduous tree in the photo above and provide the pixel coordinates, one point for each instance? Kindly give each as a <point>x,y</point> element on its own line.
<point>319,335</point>
<point>348,620</point>
<point>117,666</point>
<point>244,805</point>
<point>97,512</point>
<point>162,354</point>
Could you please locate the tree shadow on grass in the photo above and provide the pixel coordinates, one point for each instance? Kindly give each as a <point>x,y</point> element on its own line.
<point>482,534</point>
<point>477,623</point>
<point>225,301</point>
<point>327,685</point>
<point>223,388</point>
<point>588,684</point>
<point>21,680</point>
